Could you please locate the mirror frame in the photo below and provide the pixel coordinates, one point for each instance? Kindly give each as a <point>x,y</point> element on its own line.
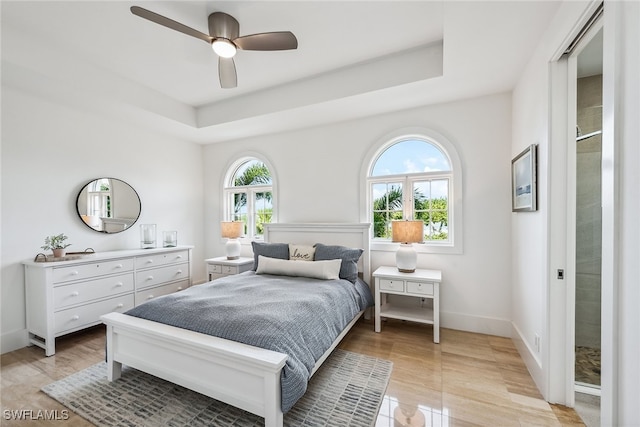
<point>114,226</point>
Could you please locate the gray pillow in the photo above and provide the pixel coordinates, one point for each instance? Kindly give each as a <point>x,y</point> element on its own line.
<point>270,250</point>
<point>349,256</point>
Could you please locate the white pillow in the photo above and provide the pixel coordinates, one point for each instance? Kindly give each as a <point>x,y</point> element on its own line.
<point>301,252</point>
<point>327,270</point>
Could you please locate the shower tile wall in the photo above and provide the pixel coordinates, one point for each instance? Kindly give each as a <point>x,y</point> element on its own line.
<point>588,214</point>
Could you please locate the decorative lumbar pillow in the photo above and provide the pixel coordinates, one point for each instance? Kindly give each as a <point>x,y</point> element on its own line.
<point>349,257</point>
<point>270,250</point>
<point>326,270</point>
<point>301,252</point>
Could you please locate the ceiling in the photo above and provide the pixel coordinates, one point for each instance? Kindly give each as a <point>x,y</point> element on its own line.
<point>354,59</point>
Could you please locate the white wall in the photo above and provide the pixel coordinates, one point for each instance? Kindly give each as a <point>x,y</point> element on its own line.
<point>532,239</point>
<point>49,151</point>
<point>318,179</point>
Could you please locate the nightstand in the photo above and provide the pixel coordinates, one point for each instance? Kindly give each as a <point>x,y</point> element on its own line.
<point>221,266</point>
<point>423,284</point>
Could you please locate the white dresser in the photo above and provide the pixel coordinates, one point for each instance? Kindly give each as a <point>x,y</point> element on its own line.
<point>66,296</point>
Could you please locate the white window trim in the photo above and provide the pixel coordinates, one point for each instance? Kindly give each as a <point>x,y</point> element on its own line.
<point>455,243</point>
<point>227,189</point>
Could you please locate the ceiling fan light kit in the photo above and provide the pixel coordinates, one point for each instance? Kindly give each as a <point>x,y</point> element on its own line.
<point>225,40</point>
<point>224,48</point>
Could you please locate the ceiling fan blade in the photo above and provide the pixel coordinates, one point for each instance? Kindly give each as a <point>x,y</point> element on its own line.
<point>223,25</point>
<point>227,73</point>
<point>169,23</point>
<point>279,40</point>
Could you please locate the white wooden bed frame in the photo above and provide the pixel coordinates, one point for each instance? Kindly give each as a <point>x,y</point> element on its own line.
<point>243,376</point>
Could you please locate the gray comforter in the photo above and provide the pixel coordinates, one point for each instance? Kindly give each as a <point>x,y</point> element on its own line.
<point>300,317</point>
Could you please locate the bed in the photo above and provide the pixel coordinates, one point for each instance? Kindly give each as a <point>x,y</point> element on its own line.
<point>242,375</point>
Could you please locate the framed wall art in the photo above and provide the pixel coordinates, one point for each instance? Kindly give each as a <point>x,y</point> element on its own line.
<point>524,181</point>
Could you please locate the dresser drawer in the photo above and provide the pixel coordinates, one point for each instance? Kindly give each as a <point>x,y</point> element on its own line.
<point>79,317</point>
<point>85,271</point>
<point>422,288</point>
<point>80,292</point>
<point>162,259</point>
<point>157,276</point>
<point>392,285</point>
<point>151,293</point>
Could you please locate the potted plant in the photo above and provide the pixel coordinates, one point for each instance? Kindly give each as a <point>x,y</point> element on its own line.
<point>56,244</point>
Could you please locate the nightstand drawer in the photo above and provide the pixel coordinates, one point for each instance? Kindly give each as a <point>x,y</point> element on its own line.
<point>215,268</point>
<point>229,269</point>
<point>392,285</point>
<point>420,288</point>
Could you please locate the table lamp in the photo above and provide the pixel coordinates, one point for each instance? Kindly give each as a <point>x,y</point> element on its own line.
<point>407,233</point>
<point>231,230</point>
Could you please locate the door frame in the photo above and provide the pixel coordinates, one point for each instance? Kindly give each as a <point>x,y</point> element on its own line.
<point>562,134</point>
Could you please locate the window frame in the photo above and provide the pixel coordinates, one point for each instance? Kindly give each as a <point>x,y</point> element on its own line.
<point>454,175</point>
<point>228,190</point>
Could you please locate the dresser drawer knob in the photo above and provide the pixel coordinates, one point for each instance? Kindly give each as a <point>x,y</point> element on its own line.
<point>76,317</point>
<point>149,261</point>
<point>150,297</point>
<point>119,284</point>
<point>179,288</point>
<point>119,266</point>
<point>179,257</point>
<point>150,278</point>
<point>75,294</point>
<point>120,305</point>
<point>179,272</point>
<point>75,273</point>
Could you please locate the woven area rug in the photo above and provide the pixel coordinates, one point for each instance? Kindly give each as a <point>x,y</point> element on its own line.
<point>346,391</point>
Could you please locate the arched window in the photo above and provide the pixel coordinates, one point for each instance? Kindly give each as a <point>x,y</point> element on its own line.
<point>248,195</point>
<point>416,176</point>
<point>99,197</point>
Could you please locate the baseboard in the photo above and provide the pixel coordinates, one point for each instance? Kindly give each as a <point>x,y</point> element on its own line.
<point>477,324</point>
<point>531,360</point>
<point>15,340</point>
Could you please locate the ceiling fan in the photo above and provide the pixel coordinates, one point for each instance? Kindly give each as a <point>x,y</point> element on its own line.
<point>224,37</point>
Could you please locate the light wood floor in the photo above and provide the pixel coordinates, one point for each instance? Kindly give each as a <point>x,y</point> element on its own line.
<point>466,380</point>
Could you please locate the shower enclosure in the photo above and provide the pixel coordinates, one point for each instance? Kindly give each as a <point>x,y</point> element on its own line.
<point>588,230</point>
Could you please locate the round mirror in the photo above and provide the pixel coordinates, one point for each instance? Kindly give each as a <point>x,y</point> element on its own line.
<point>108,205</point>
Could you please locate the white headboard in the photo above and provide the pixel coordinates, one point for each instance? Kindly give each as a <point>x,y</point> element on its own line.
<point>353,235</point>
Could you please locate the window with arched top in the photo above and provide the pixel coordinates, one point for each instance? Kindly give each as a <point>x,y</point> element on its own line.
<point>416,176</point>
<point>99,195</point>
<point>249,195</point>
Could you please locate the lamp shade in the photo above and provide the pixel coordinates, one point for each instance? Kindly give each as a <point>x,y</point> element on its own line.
<point>231,229</point>
<point>407,231</point>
